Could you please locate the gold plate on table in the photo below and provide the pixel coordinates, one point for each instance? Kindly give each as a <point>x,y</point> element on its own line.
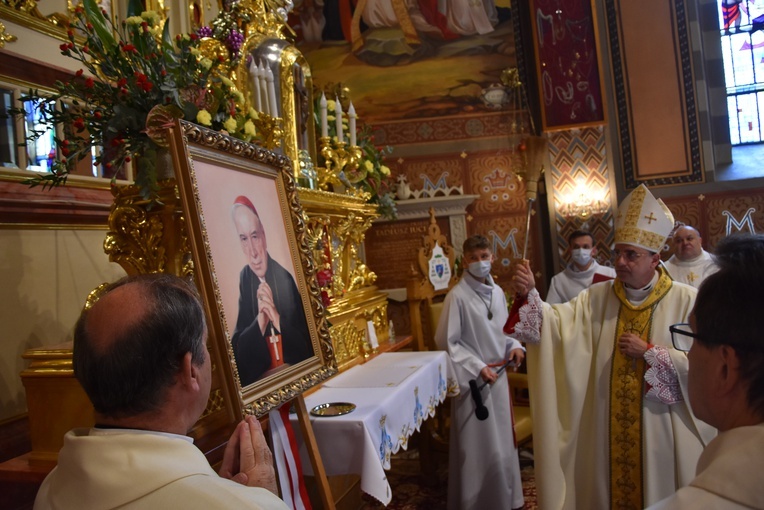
<point>333,409</point>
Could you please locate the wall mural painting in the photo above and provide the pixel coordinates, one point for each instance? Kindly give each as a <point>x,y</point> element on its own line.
<point>406,59</point>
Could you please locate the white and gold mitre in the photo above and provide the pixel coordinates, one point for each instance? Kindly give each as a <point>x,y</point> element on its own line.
<point>643,221</point>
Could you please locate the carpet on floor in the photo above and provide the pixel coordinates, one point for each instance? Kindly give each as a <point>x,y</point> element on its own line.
<point>412,491</point>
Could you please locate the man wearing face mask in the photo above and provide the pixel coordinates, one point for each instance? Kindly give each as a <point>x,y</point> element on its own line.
<point>483,469</point>
<point>582,271</point>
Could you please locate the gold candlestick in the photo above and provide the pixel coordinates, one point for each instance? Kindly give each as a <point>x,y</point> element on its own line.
<point>337,157</point>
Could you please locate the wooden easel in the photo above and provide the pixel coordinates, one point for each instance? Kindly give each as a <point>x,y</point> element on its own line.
<point>315,457</point>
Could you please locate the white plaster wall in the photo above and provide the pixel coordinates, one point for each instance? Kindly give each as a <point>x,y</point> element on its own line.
<point>45,276</point>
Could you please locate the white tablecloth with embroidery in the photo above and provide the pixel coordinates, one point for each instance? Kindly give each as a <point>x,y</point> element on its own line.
<point>393,393</point>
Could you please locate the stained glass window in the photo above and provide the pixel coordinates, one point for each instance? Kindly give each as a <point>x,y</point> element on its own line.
<point>741,24</point>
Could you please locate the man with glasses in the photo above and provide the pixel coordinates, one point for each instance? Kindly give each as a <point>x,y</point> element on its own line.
<point>612,426</point>
<point>726,379</point>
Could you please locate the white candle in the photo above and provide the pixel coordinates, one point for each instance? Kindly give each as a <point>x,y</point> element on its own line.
<point>324,120</point>
<point>272,93</point>
<point>351,123</point>
<point>338,113</point>
<point>263,88</point>
<point>255,76</point>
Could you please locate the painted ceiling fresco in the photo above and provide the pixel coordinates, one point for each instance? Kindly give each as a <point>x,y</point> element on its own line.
<point>406,59</point>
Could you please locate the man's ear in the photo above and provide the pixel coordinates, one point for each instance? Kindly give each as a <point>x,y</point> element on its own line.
<point>189,373</point>
<point>594,251</point>
<point>729,368</point>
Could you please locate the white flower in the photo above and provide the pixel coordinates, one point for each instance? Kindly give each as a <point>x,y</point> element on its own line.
<point>384,170</point>
<point>369,165</point>
<point>205,63</point>
<point>249,128</point>
<point>253,113</point>
<point>134,20</point>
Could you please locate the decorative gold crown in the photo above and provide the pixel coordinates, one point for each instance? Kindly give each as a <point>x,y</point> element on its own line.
<point>643,221</point>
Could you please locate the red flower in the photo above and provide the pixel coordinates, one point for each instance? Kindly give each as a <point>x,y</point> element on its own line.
<point>64,151</point>
<point>122,82</point>
<point>64,48</point>
<point>193,37</point>
<point>97,115</point>
<point>85,49</point>
<point>146,86</point>
<point>129,47</point>
<point>325,299</point>
<point>79,72</point>
<point>89,83</point>
<point>324,277</point>
<point>79,123</point>
<point>116,142</point>
<point>127,159</point>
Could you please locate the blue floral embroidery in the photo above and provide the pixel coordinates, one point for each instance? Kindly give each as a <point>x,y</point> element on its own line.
<point>386,444</point>
<point>441,383</point>
<point>418,413</point>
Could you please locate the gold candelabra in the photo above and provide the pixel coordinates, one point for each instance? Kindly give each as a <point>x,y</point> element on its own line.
<point>337,157</point>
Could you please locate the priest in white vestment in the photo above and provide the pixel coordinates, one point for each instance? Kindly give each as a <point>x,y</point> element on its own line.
<point>484,469</point>
<point>726,380</point>
<point>690,263</point>
<point>611,423</point>
<point>582,271</point>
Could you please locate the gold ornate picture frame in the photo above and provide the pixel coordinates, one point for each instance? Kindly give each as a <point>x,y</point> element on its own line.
<point>253,265</point>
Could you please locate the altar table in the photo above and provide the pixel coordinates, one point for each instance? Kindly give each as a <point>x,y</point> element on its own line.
<point>393,393</point>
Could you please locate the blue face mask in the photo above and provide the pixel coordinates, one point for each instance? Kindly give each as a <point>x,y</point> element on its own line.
<point>480,269</point>
<point>582,256</point>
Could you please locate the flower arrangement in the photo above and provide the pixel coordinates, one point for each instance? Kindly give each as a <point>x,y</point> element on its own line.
<point>371,175</point>
<point>138,80</point>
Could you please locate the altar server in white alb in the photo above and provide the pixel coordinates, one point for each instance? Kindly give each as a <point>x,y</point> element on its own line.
<point>484,471</point>
<point>726,380</point>
<point>690,263</point>
<point>582,271</point>
<point>612,427</point>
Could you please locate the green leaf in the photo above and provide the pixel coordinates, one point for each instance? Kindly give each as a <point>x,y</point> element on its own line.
<point>96,18</point>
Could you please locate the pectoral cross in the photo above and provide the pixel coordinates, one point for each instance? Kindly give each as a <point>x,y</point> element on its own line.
<point>275,341</point>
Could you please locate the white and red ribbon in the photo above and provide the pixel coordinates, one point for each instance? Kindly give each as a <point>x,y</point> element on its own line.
<point>287,457</point>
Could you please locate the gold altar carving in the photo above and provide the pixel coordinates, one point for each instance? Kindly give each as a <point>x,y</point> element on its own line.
<point>145,239</point>
<point>265,40</point>
<point>336,226</point>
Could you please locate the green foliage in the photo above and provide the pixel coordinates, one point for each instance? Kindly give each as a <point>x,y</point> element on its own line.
<point>135,79</point>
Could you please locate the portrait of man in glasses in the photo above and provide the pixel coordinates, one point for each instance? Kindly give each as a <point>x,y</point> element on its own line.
<point>611,419</point>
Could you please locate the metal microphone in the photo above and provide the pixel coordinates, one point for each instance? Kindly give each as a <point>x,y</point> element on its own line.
<point>481,411</point>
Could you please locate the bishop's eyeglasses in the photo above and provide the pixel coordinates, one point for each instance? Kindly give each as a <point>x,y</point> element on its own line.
<point>682,336</point>
<point>628,255</point>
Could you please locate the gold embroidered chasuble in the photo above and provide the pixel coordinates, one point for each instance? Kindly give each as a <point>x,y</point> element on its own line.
<point>626,393</point>
<point>571,375</point>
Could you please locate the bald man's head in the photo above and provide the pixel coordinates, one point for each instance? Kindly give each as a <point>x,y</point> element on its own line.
<point>687,243</point>
<point>128,347</point>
